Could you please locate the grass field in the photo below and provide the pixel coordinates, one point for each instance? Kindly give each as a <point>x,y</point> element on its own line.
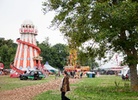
<point>105,87</point>
<point>7,83</point>
<point>99,88</point>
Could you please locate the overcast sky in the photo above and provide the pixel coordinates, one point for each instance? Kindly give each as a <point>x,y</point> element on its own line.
<point>14,12</point>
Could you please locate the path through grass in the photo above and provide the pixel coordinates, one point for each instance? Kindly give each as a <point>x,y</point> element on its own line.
<point>99,88</point>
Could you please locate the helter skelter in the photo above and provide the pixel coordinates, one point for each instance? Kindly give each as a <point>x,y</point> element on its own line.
<point>27,54</point>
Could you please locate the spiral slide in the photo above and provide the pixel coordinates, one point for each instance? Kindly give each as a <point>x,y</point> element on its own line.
<point>16,72</point>
<point>29,44</point>
<point>21,71</point>
<point>16,69</point>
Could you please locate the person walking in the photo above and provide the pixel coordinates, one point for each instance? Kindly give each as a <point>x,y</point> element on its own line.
<point>65,86</point>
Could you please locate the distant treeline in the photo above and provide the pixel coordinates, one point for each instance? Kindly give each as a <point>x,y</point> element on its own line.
<point>56,55</point>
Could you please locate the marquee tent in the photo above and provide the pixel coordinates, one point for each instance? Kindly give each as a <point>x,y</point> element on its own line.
<point>49,68</point>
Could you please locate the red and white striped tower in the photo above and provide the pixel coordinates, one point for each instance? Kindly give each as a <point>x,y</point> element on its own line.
<point>27,54</point>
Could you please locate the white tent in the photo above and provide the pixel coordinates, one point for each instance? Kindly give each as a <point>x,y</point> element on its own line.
<point>108,65</point>
<point>48,67</point>
<point>115,61</point>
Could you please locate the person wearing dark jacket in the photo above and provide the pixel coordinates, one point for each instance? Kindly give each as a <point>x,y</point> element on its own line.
<point>65,86</point>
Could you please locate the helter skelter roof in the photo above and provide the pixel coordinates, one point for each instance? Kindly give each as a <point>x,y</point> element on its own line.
<point>27,22</point>
<point>28,27</point>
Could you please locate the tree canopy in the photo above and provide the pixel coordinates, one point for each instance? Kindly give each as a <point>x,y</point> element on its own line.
<point>111,24</point>
<point>7,51</point>
<point>56,55</point>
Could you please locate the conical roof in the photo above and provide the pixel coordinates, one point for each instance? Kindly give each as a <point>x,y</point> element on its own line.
<point>49,67</point>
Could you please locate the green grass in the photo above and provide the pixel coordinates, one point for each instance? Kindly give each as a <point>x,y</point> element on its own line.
<point>49,95</point>
<point>7,83</point>
<point>99,88</point>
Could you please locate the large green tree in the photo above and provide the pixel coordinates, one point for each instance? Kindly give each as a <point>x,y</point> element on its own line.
<point>45,50</point>
<point>112,24</point>
<point>56,55</point>
<point>7,52</point>
<point>59,55</point>
<point>86,59</point>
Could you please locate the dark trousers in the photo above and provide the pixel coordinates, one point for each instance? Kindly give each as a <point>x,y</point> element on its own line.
<point>63,97</point>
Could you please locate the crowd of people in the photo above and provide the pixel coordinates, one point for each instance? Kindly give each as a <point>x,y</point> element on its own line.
<point>76,74</point>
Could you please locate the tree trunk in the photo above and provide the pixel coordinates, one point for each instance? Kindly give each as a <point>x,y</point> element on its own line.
<point>133,77</point>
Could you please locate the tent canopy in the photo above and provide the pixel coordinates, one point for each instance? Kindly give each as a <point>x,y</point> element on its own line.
<point>49,68</point>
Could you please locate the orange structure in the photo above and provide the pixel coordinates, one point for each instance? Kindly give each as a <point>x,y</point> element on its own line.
<point>73,57</point>
<point>72,62</point>
<point>27,54</point>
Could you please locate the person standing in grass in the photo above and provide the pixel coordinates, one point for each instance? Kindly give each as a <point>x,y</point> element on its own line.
<point>65,86</point>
